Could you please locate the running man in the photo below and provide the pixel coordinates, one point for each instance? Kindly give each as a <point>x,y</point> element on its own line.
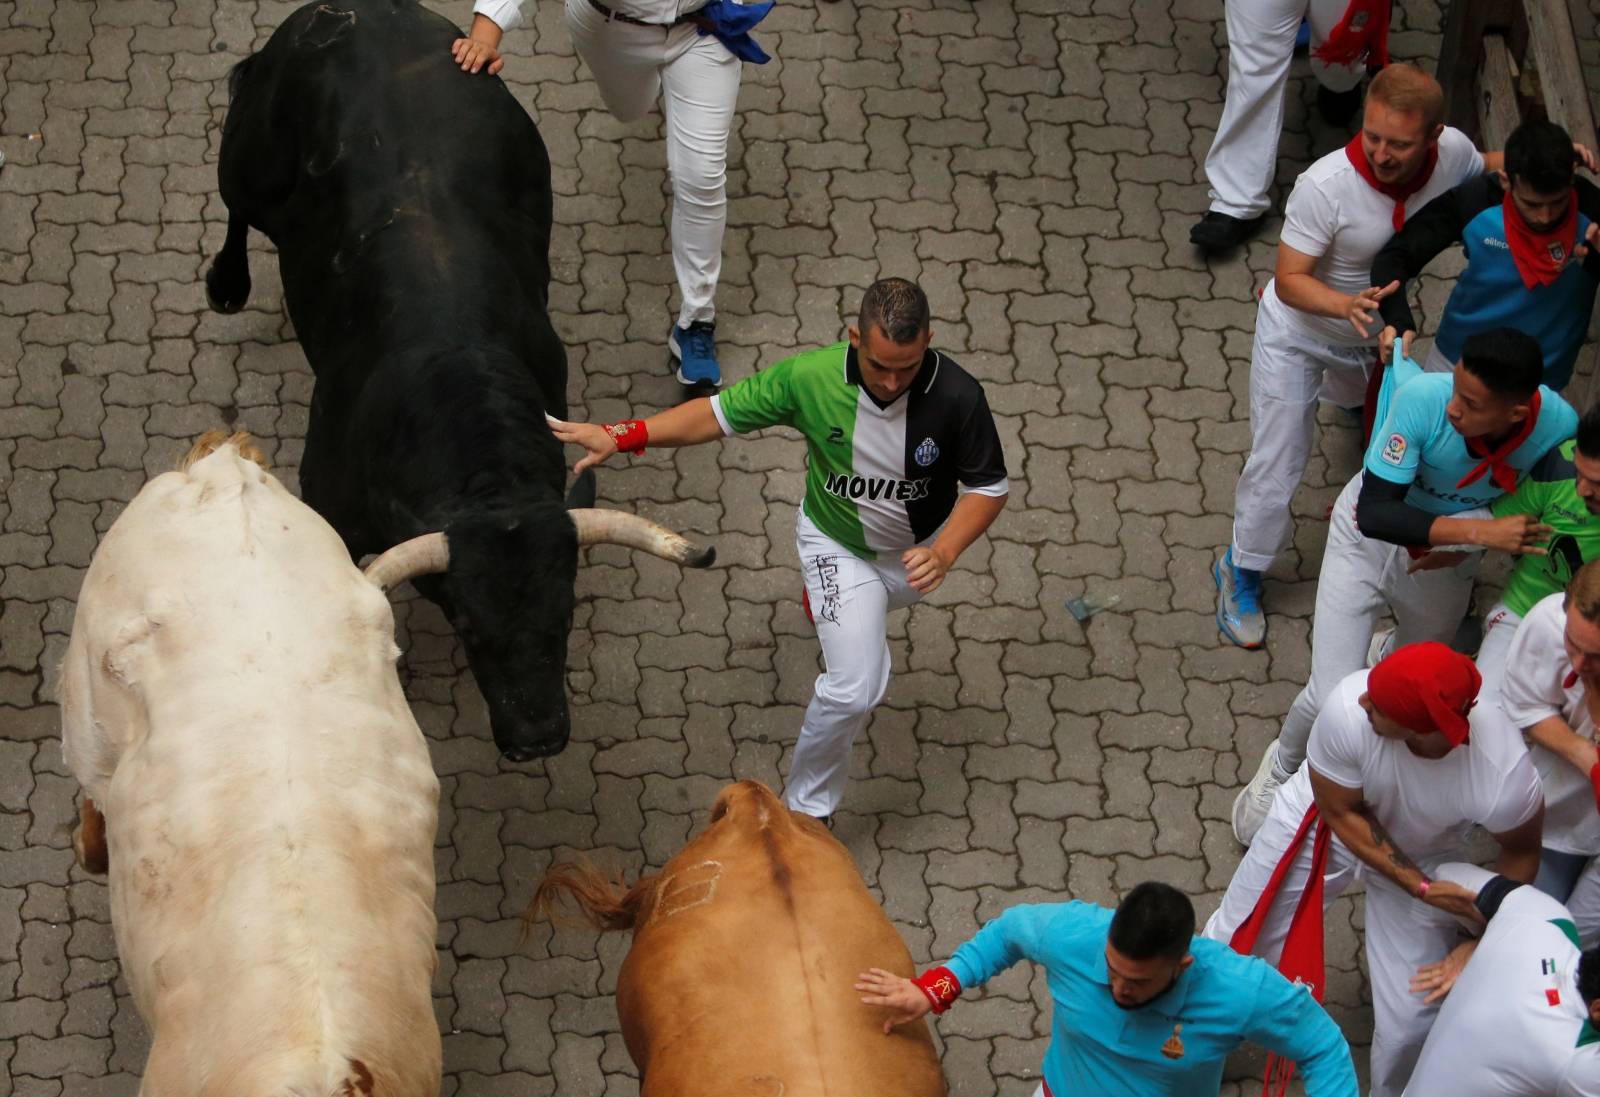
<point>1523,1015</point>
<point>644,50</point>
<point>904,471</point>
<point>1449,444</point>
<point>1524,230</point>
<point>1317,322</point>
<point>1143,1008</point>
<point>1395,775</point>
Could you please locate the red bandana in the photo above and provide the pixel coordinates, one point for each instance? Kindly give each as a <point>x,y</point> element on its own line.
<point>1426,687</point>
<point>1541,256</point>
<point>1398,191</point>
<point>1363,30</point>
<point>1504,476</point>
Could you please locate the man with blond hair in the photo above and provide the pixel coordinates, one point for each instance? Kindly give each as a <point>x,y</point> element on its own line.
<point>1317,322</point>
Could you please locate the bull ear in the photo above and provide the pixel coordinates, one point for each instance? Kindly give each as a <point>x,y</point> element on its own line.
<point>583,491</point>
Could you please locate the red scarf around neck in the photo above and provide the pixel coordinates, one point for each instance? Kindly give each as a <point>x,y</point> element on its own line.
<point>1540,256</point>
<point>1494,462</point>
<point>1363,30</point>
<point>1398,191</point>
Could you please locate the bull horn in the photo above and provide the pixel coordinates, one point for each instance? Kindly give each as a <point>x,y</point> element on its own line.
<point>425,555</point>
<point>598,526</point>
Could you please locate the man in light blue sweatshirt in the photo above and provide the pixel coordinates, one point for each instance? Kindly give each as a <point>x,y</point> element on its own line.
<point>1143,1008</point>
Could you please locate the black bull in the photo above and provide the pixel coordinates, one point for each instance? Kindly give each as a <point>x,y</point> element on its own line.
<point>410,206</point>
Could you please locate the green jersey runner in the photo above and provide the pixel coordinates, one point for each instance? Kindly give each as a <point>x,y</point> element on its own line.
<point>879,478</point>
<point>1550,492</point>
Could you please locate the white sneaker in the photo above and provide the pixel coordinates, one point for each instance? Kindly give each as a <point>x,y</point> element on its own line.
<point>1255,799</point>
<point>1381,647</point>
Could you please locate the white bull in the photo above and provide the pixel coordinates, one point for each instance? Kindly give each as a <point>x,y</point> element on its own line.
<point>230,702</point>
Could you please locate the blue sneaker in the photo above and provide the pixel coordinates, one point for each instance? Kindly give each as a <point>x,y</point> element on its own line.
<point>695,348</point>
<point>1239,613</point>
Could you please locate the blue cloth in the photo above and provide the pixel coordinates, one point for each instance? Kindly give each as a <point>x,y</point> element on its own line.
<point>1491,294</point>
<point>731,23</point>
<point>1414,443</point>
<point>1098,1049</point>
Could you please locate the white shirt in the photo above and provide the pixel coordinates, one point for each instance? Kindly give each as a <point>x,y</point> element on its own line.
<point>1426,804</point>
<point>1336,215</point>
<point>508,13</point>
<point>1536,667</point>
<point>1501,1032</point>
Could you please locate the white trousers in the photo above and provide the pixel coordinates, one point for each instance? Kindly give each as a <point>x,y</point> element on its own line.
<point>1291,369</point>
<point>1499,629</point>
<point>697,80</point>
<point>850,603</point>
<point>1244,155</point>
<point>1402,934</point>
<point>1360,576</point>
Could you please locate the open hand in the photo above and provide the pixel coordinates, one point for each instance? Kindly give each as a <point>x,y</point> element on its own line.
<point>900,996</point>
<point>595,439</point>
<point>1361,308</point>
<point>1435,980</point>
<point>472,55</point>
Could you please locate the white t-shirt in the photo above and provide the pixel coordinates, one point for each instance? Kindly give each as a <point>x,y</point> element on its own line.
<point>1513,1025</point>
<point>1426,804</point>
<point>1335,214</point>
<point>1536,667</point>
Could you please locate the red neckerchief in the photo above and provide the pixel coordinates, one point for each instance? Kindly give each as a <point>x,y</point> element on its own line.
<point>1302,958</point>
<point>1505,477</point>
<point>1540,256</point>
<point>1398,191</point>
<point>1363,30</point>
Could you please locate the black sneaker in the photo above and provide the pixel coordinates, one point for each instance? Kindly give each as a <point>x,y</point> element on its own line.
<point>1338,107</point>
<point>1218,232</point>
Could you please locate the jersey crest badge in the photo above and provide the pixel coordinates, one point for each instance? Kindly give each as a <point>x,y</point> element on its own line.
<point>926,452</point>
<point>1394,450</point>
<point>1173,1048</point>
<point>1558,253</point>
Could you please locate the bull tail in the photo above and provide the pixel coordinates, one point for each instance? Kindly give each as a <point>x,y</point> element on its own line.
<point>597,900</point>
<point>213,440</point>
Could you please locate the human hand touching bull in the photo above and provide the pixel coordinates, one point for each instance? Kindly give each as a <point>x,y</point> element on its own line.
<point>480,47</point>
<point>685,425</point>
<point>904,1000</point>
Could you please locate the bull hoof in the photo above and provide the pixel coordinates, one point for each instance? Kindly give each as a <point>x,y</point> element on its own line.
<point>89,840</point>
<point>223,297</point>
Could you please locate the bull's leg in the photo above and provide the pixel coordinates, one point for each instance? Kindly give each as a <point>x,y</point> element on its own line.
<point>89,840</point>
<point>228,280</point>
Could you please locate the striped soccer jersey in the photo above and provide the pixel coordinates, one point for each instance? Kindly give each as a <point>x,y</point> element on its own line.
<point>879,478</point>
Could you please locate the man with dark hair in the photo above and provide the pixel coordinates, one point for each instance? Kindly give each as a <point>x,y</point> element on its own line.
<point>904,471</point>
<point>1446,444</point>
<point>1522,1015</point>
<point>1562,492</point>
<point>1143,1008</point>
<point>1523,229</point>
<point>1402,765</point>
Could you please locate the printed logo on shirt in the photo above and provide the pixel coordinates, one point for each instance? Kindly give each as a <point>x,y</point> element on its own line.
<point>1558,252</point>
<point>1547,967</point>
<point>873,488</point>
<point>1496,242</point>
<point>1394,450</point>
<point>1553,996</point>
<point>836,434</point>
<point>926,453</point>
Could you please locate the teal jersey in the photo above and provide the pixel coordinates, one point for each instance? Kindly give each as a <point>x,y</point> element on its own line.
<point>879,477</point>
<point>1550,493</point>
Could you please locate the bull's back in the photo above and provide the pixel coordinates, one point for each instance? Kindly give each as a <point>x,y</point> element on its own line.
<point>740,983</point>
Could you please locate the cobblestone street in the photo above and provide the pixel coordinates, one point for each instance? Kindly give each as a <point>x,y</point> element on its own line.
<point>1036,165</point>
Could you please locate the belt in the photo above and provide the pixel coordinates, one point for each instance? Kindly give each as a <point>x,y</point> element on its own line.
<point>620,17</point>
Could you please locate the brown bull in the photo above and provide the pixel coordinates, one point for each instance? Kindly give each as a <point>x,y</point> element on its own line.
<point>745,949</point>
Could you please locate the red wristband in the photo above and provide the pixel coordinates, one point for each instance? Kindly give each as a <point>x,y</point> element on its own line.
<point>941,986</point>
<point>1422,889</point>
<point>1594,779</point>
<point>630,435</point>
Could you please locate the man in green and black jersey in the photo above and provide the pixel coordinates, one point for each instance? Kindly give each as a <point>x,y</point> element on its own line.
<point>904,471</point>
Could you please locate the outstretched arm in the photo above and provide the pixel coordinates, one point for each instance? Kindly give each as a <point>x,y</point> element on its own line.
<point>685,425</point>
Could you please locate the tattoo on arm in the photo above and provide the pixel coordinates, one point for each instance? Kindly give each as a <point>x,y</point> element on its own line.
<point>1380,837</point>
